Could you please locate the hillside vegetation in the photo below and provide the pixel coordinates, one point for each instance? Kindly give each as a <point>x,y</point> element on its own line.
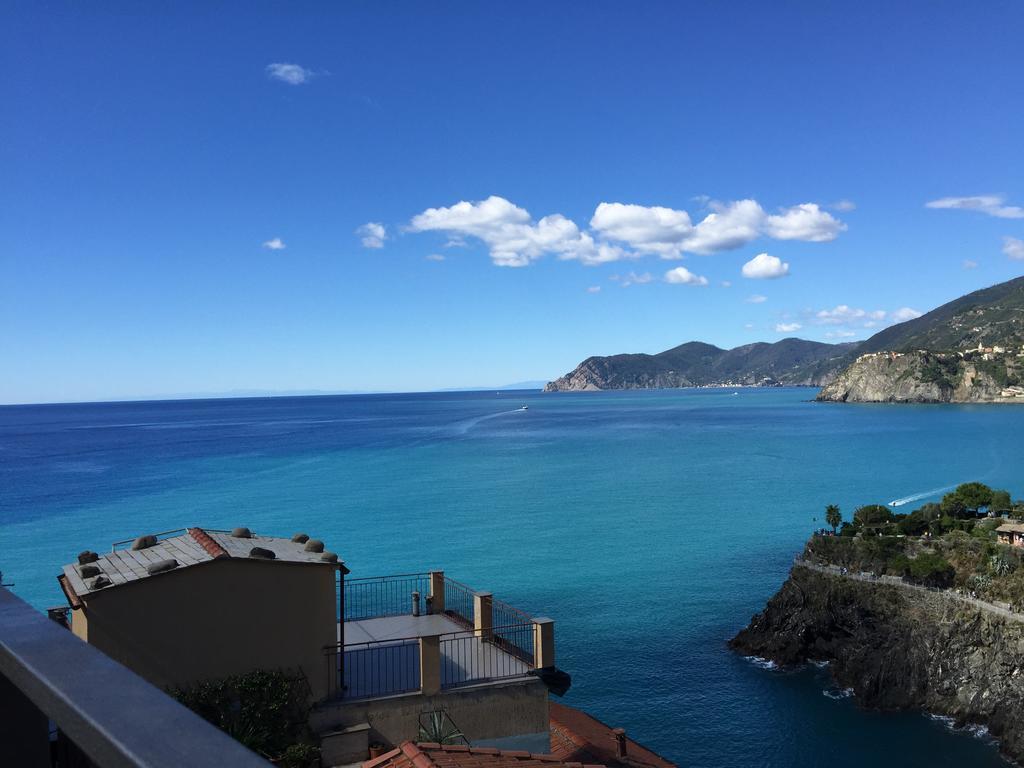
<point>786,362</point>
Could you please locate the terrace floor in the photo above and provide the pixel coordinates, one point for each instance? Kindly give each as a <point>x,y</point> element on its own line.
<point>399,628</point>
<point>389,662</point>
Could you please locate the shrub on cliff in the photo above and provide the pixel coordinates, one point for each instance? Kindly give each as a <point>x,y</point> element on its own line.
<point>1000,502</point>
<point>931,570</point>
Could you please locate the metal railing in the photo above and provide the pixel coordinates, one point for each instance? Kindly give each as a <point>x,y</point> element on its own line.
<point>507,620</point>
<point>380,668</point>
<point>458,602</point>
<point>162,535</point>
<point>472,657</point>
<point>106,711</point>
<point>377,596</point>
<point>373,669</point>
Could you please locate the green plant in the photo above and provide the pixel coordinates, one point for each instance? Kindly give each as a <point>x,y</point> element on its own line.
<point>300,756</point>
<point>1000,565</point>
<point>872,515</point>
<point>267,711</point>
<point>932,570</point>
<point>833,517</point>
<point>438,728</point>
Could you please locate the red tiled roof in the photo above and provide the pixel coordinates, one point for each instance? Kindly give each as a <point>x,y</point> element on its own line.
<point>578,737</point>
<point>213,549</point>
<point>428,755</point>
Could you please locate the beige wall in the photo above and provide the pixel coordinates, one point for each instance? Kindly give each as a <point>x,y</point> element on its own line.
<point>216,619</point>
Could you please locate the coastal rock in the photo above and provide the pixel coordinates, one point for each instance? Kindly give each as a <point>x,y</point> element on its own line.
<point>899,649</point>
<point>924,377</point>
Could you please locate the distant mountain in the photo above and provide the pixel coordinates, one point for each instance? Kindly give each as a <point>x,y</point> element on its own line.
<point>936,357</point>
<point>786,362</point>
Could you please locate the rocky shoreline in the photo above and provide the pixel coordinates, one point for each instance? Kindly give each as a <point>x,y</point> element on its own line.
<point>927,377</point>
<point>899,648</point>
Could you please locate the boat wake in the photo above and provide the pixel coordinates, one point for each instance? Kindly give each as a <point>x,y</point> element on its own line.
<point>463,427</point>
<point>918,496</point>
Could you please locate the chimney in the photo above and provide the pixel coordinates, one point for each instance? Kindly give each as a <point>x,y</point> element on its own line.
<point>620,741</point>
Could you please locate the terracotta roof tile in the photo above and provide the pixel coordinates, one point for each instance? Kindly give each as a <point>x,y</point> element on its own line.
<point>429,755</point>
<point>212,548</point>
<point>578,737</point>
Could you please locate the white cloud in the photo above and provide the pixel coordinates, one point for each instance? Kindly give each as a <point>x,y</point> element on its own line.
<point>839,334</point>
<point>633,279</point>
<point>903,314</point>
<point>727,284</point>
<point>756,299</point>
<point>1013,248</point>
<point>970,264</point>
<point>844,205</point>
<point>434,257</point>
<point>373,234</point>
<point>749,326</point>
<point>516,240</point>
<point>649,230</point>
<point>510,234</point>
<point>845,316</point>
<point>276,244</point>
<point>992,205</point>
<point>727,227</point>
<point>594,289</point>
<point>765,267</point>
<point>293,74</point>
<point>683,276</point>
<point>787,327</point>
<point>803,222</point>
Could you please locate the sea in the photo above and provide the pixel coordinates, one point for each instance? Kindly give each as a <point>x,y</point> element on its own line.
<point>649,525</point>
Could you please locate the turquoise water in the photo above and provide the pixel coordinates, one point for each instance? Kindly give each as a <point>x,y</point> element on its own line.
<point>649,525</point>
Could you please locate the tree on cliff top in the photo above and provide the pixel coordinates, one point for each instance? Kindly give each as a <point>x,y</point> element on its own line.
<point>967,497</point>
<point>833,516</point>
<point>1000,502</point>
<point>872,515</point>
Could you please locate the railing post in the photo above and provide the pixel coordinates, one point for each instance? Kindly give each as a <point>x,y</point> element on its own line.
<point>437,591</point>
<point>430,665</point>
<point>483,613</point>
<point>543,643</point>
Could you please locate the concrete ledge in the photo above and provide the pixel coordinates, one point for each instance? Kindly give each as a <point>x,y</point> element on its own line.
<point>345,746</point>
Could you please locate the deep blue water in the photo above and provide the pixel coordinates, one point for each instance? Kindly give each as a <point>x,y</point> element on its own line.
<point>649,525</point>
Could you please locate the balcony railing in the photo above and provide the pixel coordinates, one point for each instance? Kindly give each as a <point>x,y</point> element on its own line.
<point>106,715</point>
<point>380,596</point>
<point>471,657</point>
<point>479,640</point>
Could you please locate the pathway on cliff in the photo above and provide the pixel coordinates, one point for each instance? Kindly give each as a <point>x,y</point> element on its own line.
<point>896,581</point>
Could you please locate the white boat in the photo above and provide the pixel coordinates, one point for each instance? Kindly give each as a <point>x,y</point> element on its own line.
<point>525,408</point>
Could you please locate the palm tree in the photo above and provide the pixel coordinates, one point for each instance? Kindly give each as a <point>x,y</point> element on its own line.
<point>833,516</point>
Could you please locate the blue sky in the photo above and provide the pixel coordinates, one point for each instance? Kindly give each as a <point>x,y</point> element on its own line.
<point>152,156</point>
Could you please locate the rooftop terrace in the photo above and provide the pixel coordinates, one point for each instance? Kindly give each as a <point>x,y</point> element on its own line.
<point>425,632</point>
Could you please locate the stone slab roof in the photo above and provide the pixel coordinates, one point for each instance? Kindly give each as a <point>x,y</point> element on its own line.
<point>1010,528</point>
<point>427,755</point>
<point>150,556</point>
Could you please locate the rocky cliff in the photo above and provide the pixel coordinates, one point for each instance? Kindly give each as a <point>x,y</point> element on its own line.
<point>927,377</point>
<point>899,648</point>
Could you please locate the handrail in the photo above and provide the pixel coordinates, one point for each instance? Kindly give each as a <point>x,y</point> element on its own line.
<point>118,719</point>
<point>389,576</point>
<point>415,638</point>
<point>113,547</point>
